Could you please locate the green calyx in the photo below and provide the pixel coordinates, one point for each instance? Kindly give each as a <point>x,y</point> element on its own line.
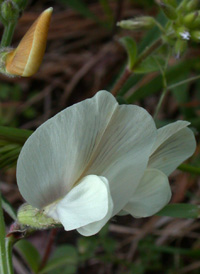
<point>35,218</point>
<point>3,53</point>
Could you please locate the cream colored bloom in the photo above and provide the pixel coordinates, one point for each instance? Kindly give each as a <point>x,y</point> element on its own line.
<point>86,163</point>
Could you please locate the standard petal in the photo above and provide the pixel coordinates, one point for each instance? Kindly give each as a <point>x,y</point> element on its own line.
<point>175,143</point>
<point>56,154</point>
<point>124,151</point>
<point>86,203</point>
<point>151,195</point>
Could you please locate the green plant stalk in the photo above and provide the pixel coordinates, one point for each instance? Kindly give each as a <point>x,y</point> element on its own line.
<point>165,90</point>
<point>3,254</point>
<point>190,169</point>
<point>162,97</point>
<point>8,33</point>
<point>9,244</point>
<point>158,107</point>
<point>184,82</point>
<point>127,72</point>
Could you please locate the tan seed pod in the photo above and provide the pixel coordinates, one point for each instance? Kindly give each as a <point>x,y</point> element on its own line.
<point>26,59</point>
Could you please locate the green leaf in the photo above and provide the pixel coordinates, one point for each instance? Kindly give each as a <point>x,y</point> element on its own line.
<point>29,254</point>
<point>14,135</point>
<point>131,49</point>
<point>150,64</point>
<point>180,211</point>
<point>64,260</point>
<point>81,8</point>
<point>156,83</point>
<point>8,208</point>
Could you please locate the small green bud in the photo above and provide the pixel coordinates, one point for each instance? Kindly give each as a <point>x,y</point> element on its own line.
<point>195,36</point>
<point>193,23</point>
<point>9,11</point>
<point>138,23</point>
<point>35,218</point>
<point>172,3</point>
<point>192,5</point>
<point>21,4</point>
<point>183,33</point>
<point>168,10</point>
<point>182,6</point>
<point>190,18</point>
<point>180,47</point>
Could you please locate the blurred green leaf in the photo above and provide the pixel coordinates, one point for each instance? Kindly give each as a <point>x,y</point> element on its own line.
<point>156,84</point>
<point>14,135</point>
<point>87,247</point>
<point>150,64</point>
<point>81,7</point>
<point>64,260</point>
<point>131,49</point>
<point>181,95</point>
<point>8,208</point>
<point>180,211</point>
<point>29,254</point>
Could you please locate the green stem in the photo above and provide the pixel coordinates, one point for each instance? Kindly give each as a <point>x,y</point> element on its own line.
<point>127,73</point>
<point>162,97</point>
<point>171,87</point>
<point>184,82</point>
<point>9,244</point>
<point>190,169</point>
<point>3,255</point>
<point>8,34</point>
<point>158,107</point>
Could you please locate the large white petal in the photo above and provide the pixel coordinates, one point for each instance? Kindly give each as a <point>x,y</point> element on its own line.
<point>86,203</point>
<point>175,143</point>
<point>96,136</point>
<point>56,154</point>
<point>151,195</point>
<point>123,152</point>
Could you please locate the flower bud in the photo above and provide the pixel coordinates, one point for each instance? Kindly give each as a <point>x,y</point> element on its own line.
<point>172,3</point>
<point>138,23</point>
<point>190,18</point>
<point>180,47</point>
<point>26,59</point>
<point>9,11</point>
<point>33,217</point>
<point>195,36</point>
<point>192,5</point>
<point>168,10</point>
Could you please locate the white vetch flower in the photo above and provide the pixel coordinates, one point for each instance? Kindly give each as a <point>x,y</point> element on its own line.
<point>174,144</point>
<point>84,164</point>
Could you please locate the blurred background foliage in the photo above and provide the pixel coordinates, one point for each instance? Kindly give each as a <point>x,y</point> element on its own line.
<point>84,55</point>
